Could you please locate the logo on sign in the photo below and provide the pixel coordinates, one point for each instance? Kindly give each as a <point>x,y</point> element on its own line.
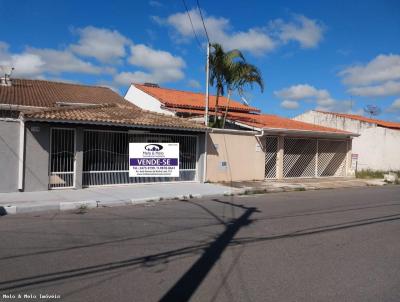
<point>153,147</point>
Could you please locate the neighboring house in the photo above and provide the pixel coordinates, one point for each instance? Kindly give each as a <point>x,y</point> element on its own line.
<point>255,146</point>
<point>378,144</point>
<point>61,135</point>
<point>181,103</point>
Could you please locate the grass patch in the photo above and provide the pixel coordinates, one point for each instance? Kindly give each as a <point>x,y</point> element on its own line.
<point>368,173</point>
<point>82,209</point>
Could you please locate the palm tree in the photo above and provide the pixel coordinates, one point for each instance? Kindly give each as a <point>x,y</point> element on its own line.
<point>242,74</point>
<point>231,71</point>
<point>220,65</point>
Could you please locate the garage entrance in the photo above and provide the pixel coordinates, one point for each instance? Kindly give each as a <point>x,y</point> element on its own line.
<point>106,157</point>
<point>306,157</point>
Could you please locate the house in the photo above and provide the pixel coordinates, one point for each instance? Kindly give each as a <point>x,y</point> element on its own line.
<point>378,144</point>
<point>62,135</point>
<point>254,146</point>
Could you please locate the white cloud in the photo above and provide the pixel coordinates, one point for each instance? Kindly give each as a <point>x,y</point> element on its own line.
<point>257,40</point>
<point>144,56</point>
<point>302,91</point>
<point>126,78</point>
<point>34,62</point>
<point>103,44</point>
<point>194,84</point>
<point>380,69</point>
<point>378,78</point>
<point>57,61</point>
<point>254,40</point>
<point>395,106</point>
<point>27,64</point>
<point>291,105</point>
<point>381,90</point>
<point>292,95</point>
<point>163,76</point>
<point>160,66</point>
<point>307,32</point>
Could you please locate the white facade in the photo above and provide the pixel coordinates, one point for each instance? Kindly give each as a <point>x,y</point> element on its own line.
<point>378,148</point>
<point>145,101</point>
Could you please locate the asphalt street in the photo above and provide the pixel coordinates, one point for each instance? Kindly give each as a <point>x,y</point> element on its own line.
<point>328,245</point>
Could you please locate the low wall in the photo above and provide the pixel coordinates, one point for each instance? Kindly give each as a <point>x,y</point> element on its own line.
<point>242,153</point>
<point>378,149</point>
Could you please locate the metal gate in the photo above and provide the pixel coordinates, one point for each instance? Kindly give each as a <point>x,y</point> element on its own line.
<point>62,158</point>
<point>304,157</point>
<point>106,157</point>
<point>332,158</point>
<point>299,157</point>
<point>271,149</point>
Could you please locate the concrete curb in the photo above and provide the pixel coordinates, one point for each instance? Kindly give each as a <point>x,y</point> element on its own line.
<point>75,205</point>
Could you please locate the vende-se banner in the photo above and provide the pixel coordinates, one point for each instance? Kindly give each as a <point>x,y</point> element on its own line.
<point>154,160</point>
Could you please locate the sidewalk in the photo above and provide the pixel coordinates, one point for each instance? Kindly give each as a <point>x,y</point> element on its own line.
<point>69,199</point>
<point>59,200</point>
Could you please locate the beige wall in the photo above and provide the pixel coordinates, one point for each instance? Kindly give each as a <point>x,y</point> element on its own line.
<point>239,151</point>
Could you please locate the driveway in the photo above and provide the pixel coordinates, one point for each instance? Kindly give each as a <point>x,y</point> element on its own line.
<point>329,245</point>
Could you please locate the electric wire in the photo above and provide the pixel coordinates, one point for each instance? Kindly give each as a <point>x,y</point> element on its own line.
<point>191,23</point>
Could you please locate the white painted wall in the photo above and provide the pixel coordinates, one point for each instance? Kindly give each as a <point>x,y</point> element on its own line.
<point>145,101</point>
<point>378,148</point>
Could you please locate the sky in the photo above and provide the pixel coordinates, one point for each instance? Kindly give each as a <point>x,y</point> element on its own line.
<point>326,55</point>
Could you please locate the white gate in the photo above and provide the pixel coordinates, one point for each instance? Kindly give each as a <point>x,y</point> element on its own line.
<point>62,158</point>
<point>299,157</point>
<point>306,157</point>
<point>106,157</point>
<point>332,158</point>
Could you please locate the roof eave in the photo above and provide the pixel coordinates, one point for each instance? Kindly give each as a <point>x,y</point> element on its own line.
<point>114,124</point>
<point>309,132</point>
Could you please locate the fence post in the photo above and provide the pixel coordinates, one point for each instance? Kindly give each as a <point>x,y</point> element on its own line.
<point>279,157</point>
<point>78,158</point>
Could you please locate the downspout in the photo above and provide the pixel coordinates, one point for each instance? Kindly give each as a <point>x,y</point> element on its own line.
<point>261,134</point>
<point>21,154</point>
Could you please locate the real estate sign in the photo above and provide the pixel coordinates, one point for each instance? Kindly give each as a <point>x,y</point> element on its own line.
<point>154,160</point>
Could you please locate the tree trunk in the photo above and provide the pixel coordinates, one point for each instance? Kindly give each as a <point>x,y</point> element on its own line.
<point>226,108</point>
<point>216,106</point>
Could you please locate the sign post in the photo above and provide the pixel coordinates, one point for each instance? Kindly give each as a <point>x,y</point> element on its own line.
<point>154,160</point>
<point>354,162</point>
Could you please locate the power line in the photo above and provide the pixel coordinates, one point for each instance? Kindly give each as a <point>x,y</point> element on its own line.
<point>191,23</point>
<point>202,20</point>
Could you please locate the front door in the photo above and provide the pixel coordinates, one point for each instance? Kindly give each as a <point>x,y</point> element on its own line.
<point>62,158</point>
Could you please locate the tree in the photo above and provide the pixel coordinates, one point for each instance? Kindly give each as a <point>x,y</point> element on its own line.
<point>242,74</point>
<point>230,71</point>
<point>220,67</point>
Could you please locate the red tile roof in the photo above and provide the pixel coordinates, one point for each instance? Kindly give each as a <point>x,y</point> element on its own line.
<point>185,99</point>
<point>381,123</point>
<point>39,93</point>
<point>268,121</point>
<point>113,114</point>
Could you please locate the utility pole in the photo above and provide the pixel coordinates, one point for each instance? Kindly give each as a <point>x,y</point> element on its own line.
<point>207,81</point>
